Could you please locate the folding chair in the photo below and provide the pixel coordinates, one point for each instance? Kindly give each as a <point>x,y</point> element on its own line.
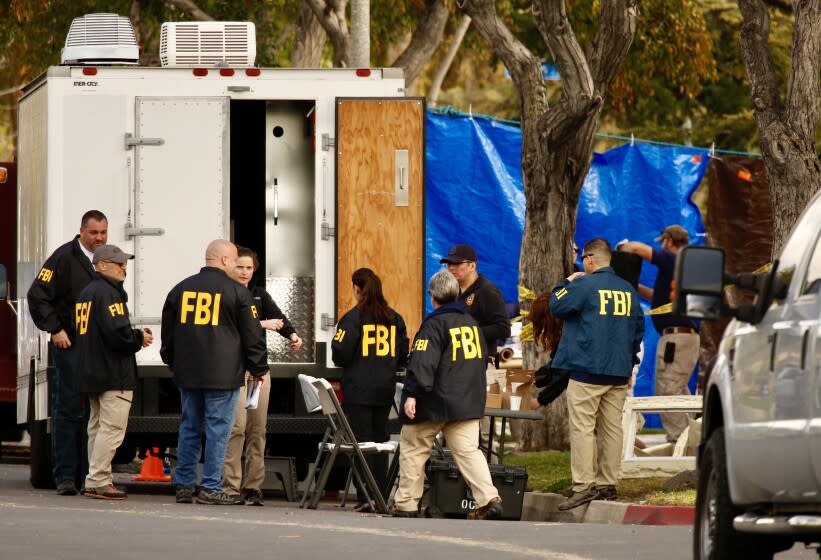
<point>343,441</point>
<point>312,404</point>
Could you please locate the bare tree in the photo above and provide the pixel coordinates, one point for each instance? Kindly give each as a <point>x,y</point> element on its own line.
<point>444,66</point>
<point>331,15</point>
<point>557,144</point>
<point>309,41</point>
<point>786,126</point>
<point>426,39</point>
<point>361,33</point>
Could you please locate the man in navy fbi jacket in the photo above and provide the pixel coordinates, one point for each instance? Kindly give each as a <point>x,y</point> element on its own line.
<point>106,367</point>
<point>210,337</point>
<point>604,325</point>
<point>51,300</point>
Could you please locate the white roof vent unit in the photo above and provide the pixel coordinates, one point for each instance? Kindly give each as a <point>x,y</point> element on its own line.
<point>208,43</point>
<point>101,39</point>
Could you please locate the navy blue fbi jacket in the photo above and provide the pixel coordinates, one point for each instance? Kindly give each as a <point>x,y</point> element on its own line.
<point>370,354</point>
<point>106,342</point>
<point>211,333</point>
<point>446,372</point>
<point>53,293</point>
<point>604,324</point>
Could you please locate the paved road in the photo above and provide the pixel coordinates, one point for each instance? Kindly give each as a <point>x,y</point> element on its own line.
<point>38,525</point>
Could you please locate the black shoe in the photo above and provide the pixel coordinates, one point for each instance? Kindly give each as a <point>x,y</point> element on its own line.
<point>253,497</point>
<point>491,510</point>
<point>185,495</point>
<point>578,499</point>
<point>402,513</point>
<point>213,498</point>
<point>606,493</point>
<point>109,492</point>
<point>66,488</point>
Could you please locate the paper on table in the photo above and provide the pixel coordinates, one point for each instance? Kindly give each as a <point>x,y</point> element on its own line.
<point>252,400</point>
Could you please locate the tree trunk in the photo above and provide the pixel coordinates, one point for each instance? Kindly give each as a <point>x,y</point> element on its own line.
<point>557,144</point>
<point>309,41</point>
<point>426,39</point>
<point>787,128</point>
<point>444,66</point>
<point>190,8</point>
<point>331,15</point>
<point>361,33</point>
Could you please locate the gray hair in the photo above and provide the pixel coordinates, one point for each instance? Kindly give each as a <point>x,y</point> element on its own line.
<point>443,287</point>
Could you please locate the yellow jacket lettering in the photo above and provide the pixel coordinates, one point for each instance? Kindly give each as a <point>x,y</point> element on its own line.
<point>203,306</point>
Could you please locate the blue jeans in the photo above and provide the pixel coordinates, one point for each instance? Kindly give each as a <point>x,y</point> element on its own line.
<point>215,408</point>
<point>69,419</point>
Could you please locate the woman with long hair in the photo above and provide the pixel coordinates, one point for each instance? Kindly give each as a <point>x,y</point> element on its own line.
<point>248,432</point>
<point>547,331</point>
<point>370,344</point>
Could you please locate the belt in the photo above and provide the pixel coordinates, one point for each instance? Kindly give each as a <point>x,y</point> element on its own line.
<point>674,330</point>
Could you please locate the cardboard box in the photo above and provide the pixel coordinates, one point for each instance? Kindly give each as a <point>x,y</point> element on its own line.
<point>494,397</point>
<point>496,382</point>
<point>523,380</point>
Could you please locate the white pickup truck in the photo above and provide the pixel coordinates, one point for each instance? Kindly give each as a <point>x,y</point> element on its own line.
<point>759,461</point>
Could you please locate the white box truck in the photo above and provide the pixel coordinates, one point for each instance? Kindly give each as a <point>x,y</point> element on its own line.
<point>321,171</point>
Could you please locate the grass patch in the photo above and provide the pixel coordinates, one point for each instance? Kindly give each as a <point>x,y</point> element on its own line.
<point>549,471</point>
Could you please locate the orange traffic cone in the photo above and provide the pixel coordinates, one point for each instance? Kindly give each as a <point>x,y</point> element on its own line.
<point>152,469</point>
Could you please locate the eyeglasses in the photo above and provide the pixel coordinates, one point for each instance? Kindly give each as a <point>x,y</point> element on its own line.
<point>584,256</point>
<point>575,249</point>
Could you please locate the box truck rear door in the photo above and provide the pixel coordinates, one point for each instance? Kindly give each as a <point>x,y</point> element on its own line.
<point>380,200</point>
<point>181,196</point>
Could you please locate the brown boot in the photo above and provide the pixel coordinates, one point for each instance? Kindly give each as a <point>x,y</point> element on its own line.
<point>491,510</point>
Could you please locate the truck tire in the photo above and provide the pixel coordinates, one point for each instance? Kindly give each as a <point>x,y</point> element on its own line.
<point>40,461</point>
<point>714,537</point>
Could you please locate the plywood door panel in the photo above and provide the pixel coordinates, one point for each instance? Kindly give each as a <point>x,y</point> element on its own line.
<point>372,231</point>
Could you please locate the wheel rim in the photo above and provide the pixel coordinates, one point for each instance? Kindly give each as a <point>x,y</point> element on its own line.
<point>708,517</point>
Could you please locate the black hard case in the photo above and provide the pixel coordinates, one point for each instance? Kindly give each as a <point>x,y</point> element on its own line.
<point>449,495</point>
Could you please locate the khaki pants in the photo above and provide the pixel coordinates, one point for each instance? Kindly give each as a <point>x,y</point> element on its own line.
<point>248,432</point>
<point>107,422</point>
<point>672,378</point>
<point>594,413</point>
<point>415,442</point>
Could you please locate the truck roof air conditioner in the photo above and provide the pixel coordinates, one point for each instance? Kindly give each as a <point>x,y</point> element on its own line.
<point>208,43</point>
<point>100,39</point>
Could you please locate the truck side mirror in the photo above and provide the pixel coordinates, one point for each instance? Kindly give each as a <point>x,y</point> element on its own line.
<point>699,283</point>
<point>4,283</point>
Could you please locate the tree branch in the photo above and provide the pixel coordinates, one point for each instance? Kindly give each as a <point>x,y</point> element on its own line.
<point>444,65</point>
<point>331,15</point>
<point>551,20</point>
<point>755,32</point>
<point>426,39</point>
<point>804,88</point>
<point>524,67</point>
<point>309,41</point>
<point>617,28</point>
<point>189,8</point>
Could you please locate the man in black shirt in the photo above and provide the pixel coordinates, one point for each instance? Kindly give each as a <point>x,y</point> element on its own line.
<point>482,298</point>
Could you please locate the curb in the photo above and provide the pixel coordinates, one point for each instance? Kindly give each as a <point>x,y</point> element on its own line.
<point>542,506</point>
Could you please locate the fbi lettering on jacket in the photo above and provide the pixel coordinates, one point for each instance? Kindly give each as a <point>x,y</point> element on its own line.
<point>200,308</point>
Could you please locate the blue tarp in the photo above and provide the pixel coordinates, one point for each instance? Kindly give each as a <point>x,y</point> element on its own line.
<point>474,194</point>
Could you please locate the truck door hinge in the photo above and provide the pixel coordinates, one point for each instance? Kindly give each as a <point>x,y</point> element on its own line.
<point>328,142</point>
<point>326,322</point>
<point>136,232</point>
<point>131,140</point>
<point>326,231</point>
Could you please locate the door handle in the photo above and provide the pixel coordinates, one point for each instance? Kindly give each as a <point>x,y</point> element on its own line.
<point>276,201</point>
<point>773,341</point>
<point>805,340</point>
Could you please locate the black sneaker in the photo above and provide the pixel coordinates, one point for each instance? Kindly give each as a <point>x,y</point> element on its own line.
<point>395,512</point>
<point>491,510</point>
<point>213,498</point>
<point>66,488</point>
<point>185,495</point>
<point>578,499</point>
<point>253,497</point>
<point>606,493</point>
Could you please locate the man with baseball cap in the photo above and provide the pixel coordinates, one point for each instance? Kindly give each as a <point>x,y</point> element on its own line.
<point>482,298</point>
<point>677,350</point>
<point>107,369</point>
